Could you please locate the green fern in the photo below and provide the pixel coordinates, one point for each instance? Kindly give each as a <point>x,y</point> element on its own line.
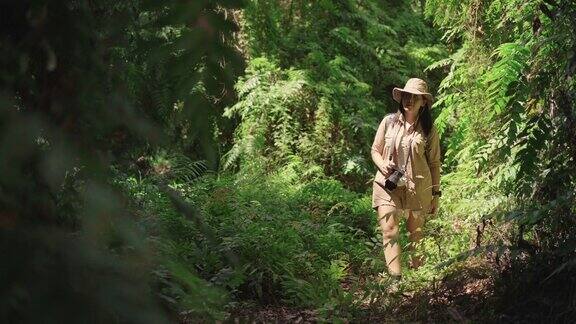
<point>501,79</point>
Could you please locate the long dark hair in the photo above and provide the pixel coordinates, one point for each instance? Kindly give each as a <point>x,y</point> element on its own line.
<point>425,118</point>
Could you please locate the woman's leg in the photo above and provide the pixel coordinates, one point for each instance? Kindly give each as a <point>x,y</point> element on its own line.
<point>415,225</point>
<point>388,220</point>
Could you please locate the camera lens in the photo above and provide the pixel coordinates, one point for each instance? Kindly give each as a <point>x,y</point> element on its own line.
<point>392,181</point>
<point>389,185</point>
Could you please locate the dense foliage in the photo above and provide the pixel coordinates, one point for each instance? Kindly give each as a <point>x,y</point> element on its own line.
<point>73,97</point>
<point>319,79</point>
<point>184,160</point>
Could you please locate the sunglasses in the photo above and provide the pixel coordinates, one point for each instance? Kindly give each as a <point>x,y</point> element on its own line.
<point>409,96</point>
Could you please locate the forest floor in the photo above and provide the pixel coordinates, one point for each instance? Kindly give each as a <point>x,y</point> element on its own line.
<point>460,296</point>
<point>479,290</point>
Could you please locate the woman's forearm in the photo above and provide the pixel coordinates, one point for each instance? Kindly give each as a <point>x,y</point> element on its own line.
<point>435,173</point>
<point>379,161</point>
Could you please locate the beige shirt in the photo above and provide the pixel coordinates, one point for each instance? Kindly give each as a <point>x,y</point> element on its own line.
<point>405,134</point>
<point>423,169</point>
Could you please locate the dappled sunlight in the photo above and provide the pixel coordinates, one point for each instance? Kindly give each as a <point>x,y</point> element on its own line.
<point>287,161</point>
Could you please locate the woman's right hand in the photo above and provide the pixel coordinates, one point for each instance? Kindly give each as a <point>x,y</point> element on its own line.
<point>389,168</point>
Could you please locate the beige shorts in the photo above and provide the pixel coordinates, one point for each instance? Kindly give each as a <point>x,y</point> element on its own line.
<point>398,213</point>
<point>395,198</point>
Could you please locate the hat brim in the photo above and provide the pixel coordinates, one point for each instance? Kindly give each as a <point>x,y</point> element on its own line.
<point>397,95</point>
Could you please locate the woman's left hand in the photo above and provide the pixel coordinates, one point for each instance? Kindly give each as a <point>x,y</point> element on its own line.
<point>434,205</point>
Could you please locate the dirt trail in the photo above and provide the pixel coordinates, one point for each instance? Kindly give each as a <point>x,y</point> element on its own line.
<point>479,290</point>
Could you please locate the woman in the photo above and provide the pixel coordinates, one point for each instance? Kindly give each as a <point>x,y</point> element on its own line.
<point>406,141</point>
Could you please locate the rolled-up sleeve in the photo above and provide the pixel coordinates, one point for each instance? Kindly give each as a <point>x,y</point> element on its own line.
<point>433,157</point>
<point>378,146</point>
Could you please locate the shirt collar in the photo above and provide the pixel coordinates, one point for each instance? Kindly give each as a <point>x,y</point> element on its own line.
<point>401,119</point>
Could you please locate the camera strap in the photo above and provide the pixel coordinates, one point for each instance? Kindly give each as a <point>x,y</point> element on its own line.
<point>394,150</point>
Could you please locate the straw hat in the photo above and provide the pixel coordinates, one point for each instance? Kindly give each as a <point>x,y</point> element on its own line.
<point>416,86</point>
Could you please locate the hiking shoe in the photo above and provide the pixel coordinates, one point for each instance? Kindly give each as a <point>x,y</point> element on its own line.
<point>392,282</point>
<point>395,283</point>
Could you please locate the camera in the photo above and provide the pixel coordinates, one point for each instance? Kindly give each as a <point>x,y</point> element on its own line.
<point>395,180</point>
